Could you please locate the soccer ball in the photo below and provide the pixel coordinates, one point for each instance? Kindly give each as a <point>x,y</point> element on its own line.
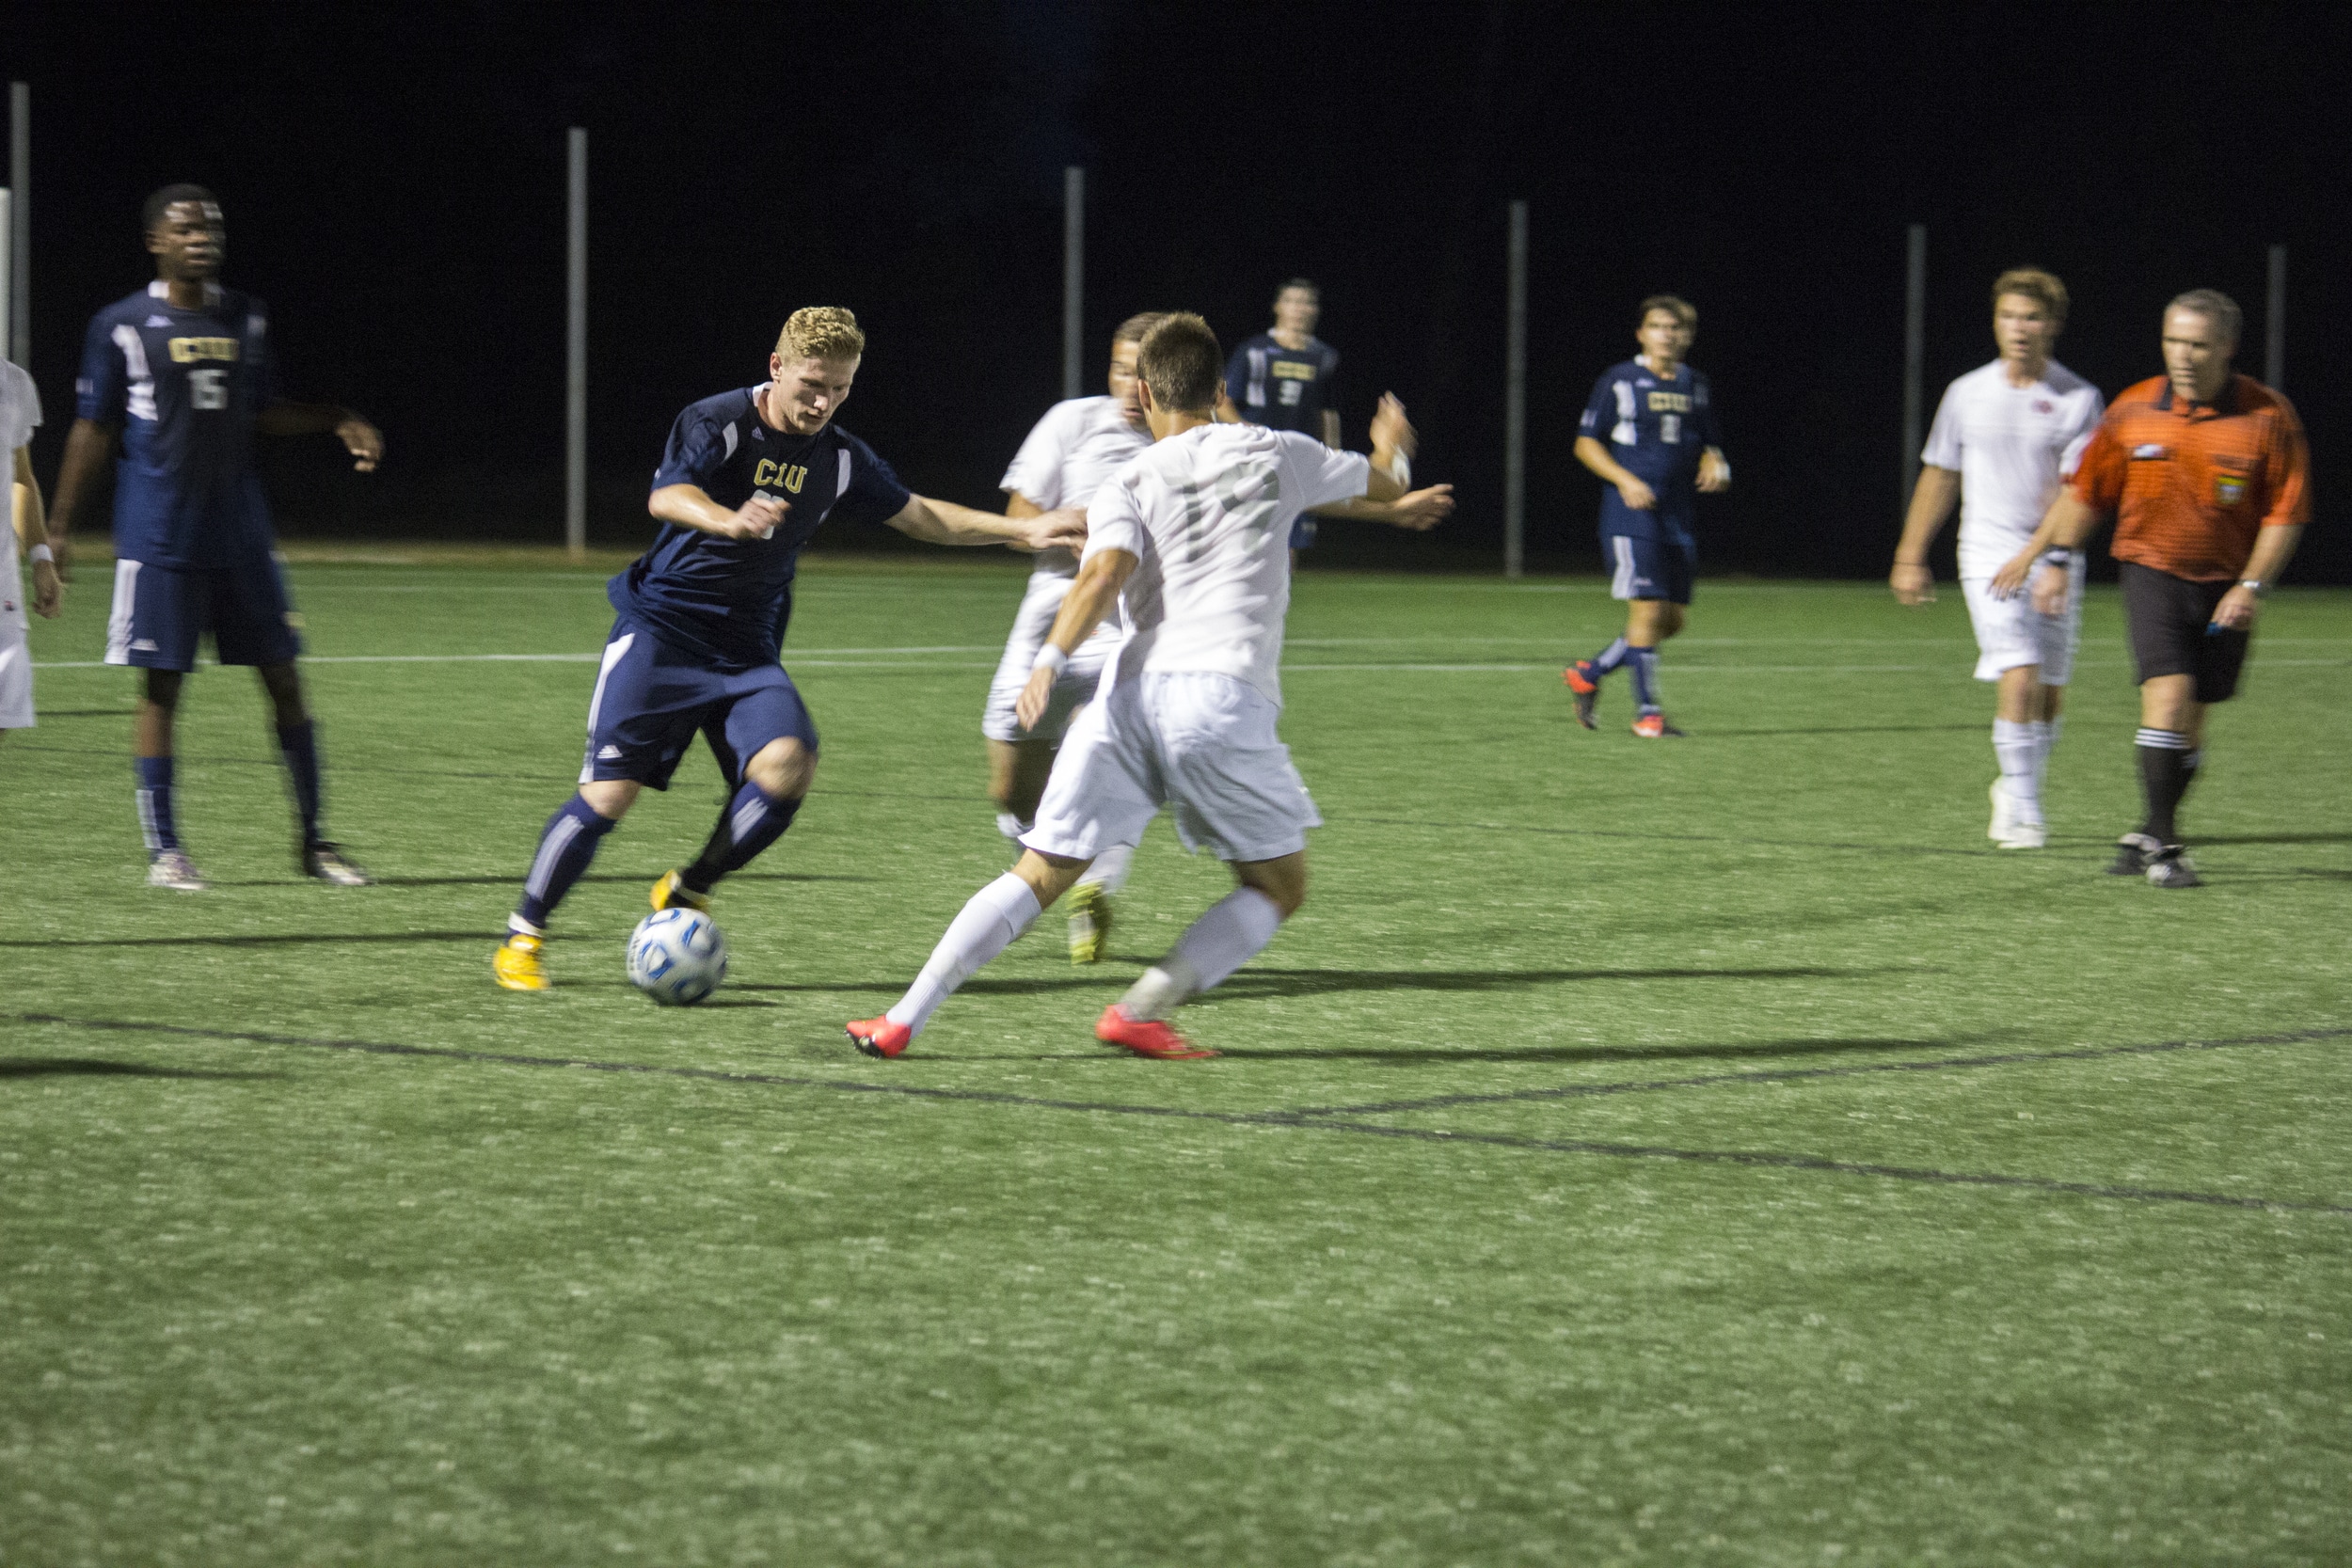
<point>676,957</point>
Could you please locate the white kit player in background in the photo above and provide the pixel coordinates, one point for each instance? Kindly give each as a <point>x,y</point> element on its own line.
<point>2005,437</point>
<point>1078,444</point>
<point>20,412</point>
<point>1191,540</point>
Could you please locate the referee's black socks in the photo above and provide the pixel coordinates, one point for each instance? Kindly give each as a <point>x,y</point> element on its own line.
<point>2168,766</point>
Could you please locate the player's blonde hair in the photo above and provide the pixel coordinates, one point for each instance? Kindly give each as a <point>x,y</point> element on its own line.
<point>820,332</point>
<point>1133,329</point>
<point>2040,286</point>
<point>1675,306</point>
<point>1181,362</point>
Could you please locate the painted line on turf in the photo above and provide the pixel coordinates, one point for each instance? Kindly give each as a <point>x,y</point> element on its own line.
<point>1781,1075</point>
<point>1291,1120</point>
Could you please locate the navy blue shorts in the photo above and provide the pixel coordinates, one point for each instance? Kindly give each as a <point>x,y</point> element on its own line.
<point>161,611</point>
<point>1650,568</point>
<point>1302,532</point>
<point>651,698</point>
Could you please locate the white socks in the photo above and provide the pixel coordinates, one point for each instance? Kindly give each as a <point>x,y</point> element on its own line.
<point>1227,936</point>
<point>1110,868</point>
<point>2021,772</point>
<point>997,915</point>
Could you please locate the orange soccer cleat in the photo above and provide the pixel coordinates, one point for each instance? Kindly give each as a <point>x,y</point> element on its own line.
<point>1653,726</point>
<point>879,1037</point>
<point>1579,679</point>
<point>1145,1036</point>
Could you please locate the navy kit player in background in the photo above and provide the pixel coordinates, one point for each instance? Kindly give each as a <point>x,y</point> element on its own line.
<point>1649,432</point>
<point>182,372</point>
<point>1287,379</point>
<point>699,619</point>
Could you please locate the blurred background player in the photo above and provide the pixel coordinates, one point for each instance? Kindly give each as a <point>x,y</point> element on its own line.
<point>1188,540</point>
<point>699,619</point>
<point>1288,379</point>
<point>183,371</point>
<point>1070,452</point>
<point>20,412</point>
<point>2005,437</point>
<point>2207,475</point>
<point>1663,448</point>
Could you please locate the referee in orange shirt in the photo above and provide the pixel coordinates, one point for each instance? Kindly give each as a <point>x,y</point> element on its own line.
<point>2207,476</point>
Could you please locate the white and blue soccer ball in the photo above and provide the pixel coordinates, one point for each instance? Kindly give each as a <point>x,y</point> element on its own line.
<point>676,957</point>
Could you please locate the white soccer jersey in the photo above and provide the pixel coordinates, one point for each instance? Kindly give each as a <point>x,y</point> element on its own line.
<point>2012,447</point>
<point>20,411</point>
<point>1075,448</point>
<point>1208,515</point>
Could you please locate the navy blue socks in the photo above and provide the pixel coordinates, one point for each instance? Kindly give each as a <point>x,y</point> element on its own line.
<point>154,797</point>
<point>1644,664</point>
<point>567,845</point>
<point>748,824</point>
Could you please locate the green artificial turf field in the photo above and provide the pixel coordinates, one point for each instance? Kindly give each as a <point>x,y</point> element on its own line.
<point>1706,1152</point>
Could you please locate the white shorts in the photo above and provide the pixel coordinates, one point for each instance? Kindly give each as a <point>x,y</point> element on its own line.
<point>2010,632</point>
<point>1205,742</point>
<point>1040,603</point>
<point>16,658</point>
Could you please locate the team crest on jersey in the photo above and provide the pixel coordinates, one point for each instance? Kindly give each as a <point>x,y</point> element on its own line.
<point>2231,478</point>
<point>791,476</point>
<point>2043,406</point>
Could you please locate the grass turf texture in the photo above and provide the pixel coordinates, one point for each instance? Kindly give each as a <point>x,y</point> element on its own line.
<point>1635,1152</point>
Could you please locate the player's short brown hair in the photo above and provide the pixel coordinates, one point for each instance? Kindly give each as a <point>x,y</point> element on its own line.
<point>2215,307</point>
<point>1674,305</point>
<point>1132,330</point>
<point>1181,363</point>
<point>2033,283</point>
<point>1306,283</point>
<point>820,332</point>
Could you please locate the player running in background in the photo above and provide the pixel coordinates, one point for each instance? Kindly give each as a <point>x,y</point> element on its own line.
<point>1189,540</point>
<point>2005,437</point>
<point>1073,450</point>
<point>699,619</point>
<point>1288,379</point>
<point>183,371</point>
<point>2207,475</point>
<point>1661,447</point>
<point>20,411</point>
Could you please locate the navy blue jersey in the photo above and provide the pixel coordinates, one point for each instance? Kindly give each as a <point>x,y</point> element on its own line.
<point>1284,388</point>
<point>726,600</point>
<point>1657,427</point>
<point>185,387</point>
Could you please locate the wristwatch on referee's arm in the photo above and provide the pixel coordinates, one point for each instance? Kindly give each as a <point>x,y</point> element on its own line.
<point>2256,586</point>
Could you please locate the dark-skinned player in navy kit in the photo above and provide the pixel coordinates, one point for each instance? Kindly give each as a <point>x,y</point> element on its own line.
<point>699,619</point>
<point>183,371</point>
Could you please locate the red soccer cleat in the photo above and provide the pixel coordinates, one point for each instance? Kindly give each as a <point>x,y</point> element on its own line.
<point>1580,680</point>
<point>1655,726</point>
<point>879,1037</point>
<point>1146,1037</point>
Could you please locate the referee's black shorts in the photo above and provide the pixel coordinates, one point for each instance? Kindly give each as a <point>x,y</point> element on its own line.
<point>2172,630</point>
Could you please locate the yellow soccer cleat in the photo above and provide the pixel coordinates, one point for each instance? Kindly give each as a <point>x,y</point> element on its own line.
<point>670,891</point>
<point>1089,923</point>
<point>518,963</point>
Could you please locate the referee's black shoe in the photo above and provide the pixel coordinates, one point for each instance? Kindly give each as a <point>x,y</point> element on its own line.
<point>2133,852</point>
<point>2171,867</point>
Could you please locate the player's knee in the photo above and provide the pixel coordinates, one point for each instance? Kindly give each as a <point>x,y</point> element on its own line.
<point>611,797</point>
<point>782,770</point>
<point>163,688</point>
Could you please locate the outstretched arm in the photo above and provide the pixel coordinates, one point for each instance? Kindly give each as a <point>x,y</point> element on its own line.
<point>361,438</point>
<point>940,522</point>
<point>1932,501</point>
<point>32,533</point>
<point>1417,509</point>
<point>1090,599</point>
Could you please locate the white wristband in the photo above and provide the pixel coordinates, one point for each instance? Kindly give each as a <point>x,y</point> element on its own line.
<point>1050,658</point>
<point>1400,470</point>
<point>41,552</point>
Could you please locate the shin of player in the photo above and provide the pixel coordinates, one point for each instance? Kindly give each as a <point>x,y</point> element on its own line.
<point>1191,539</point>
<point>183,372</point>
<point>1662,448</point>
<point>2006,436</point>
<point>2207,473</point>
<point>699,619</point>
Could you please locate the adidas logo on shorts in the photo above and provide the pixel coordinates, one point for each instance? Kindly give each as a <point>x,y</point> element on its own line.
<point>611,754</point>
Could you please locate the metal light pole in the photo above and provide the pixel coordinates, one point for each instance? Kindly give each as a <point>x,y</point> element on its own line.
<point>2275,324</point>
<point>1073,267</point>
<point>1914,355</point>
<point>19,317</point>
<point>576,357</point>
<point>1514,402</point>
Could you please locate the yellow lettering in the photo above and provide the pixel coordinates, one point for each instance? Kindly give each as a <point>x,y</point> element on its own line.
<point>764,473</point>
<point>1291,369</point>
<point>793,474</point>
<point>1670,402</point>
<point>187,350</point>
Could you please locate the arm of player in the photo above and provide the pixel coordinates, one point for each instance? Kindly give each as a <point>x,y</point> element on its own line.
<point>939,522</point>
<point>1417,509</point>
<point>361,439</point>
<point>1638,496</point>
<point>1019,506</point>
<point>1090,599</point>
<point>32,531</point>
<point>2274,546</point>
<point>1714,471</point>
<point>1931,502</point>
<point>2064,527</point>
<point>690,506</point>
<point>89,445</point>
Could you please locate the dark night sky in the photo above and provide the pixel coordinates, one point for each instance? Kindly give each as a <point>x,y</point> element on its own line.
<point>393,178</point>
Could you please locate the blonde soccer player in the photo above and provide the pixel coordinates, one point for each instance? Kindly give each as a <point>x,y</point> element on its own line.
<point>20,412</point>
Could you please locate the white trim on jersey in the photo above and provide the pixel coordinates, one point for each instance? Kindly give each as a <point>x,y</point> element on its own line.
<point>142,390</point>
<point>615,652</point>
<point>1255,395</point>
<point>1625,432</point>
<point>119,619</point>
